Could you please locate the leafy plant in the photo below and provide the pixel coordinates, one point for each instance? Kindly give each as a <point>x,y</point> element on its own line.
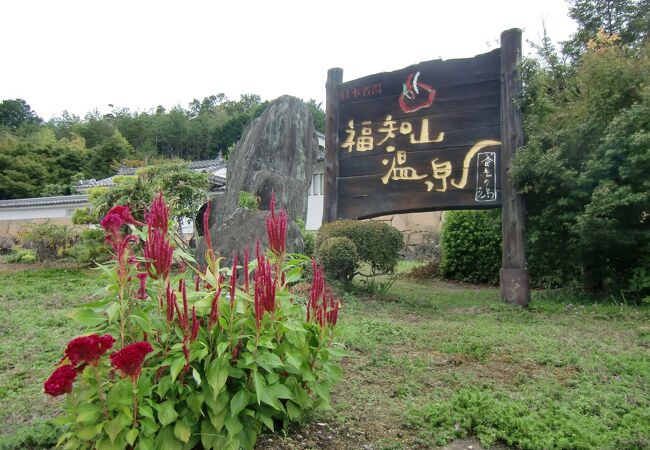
<point>339,257</point>
<point>248,200</point>
<point>377,243</point>
<point>91,247</point>
<point>22,255</point>
<point>48,240</point>
<point>471,246</point>
<point>169,367</point>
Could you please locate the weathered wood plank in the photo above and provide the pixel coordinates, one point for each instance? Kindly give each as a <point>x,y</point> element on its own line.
<point>330,202</point>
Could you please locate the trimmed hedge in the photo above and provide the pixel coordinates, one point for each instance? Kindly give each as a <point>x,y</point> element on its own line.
<point>339,258</point>
<point>471,246</point>
<point>376,243</point>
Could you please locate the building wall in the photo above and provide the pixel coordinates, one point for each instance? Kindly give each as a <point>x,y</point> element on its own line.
<point>12,220</point>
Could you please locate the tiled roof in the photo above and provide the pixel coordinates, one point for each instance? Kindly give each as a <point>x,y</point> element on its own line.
<point>44,201</point>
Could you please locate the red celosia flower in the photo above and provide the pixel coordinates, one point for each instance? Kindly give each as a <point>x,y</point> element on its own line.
<point>171,303</point>
<point>117,216</point>
<point>276,228</point>
<point>88,349</point>
<point>129,360</point>
<point>142,292</point>
<point>322,307</point>
<point>158,214</point>
<point>195,325</point>
<point>61,380</point>
<point>159,253</point>
<point>264,291</point>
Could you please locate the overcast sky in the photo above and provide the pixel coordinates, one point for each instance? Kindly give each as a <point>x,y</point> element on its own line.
<point>87,54</point>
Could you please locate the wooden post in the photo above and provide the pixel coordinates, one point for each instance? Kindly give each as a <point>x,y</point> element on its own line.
<point>330,202</point>
<point>515,287</point>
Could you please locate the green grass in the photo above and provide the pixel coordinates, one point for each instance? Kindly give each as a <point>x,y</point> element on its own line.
<point>430,362</point>
<point>34,330</point>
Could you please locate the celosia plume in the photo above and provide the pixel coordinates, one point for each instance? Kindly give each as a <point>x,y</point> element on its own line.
<point>158,214</point>
<point>214,308</point>
<point>206,231</point>
<point>264,291</point>
<point>276,228</point>
<point>171,303</point>
<point>195,325</point>
<point>158,252</point>
<point>322,307</point>
<point>88,349</point>
<point>61,381</point>
<point>129,360</point>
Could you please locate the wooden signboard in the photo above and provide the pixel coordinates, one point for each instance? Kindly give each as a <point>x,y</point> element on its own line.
<point>437,135</point>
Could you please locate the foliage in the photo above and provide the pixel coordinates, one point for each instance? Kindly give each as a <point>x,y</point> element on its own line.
<point>184,189</point>
<point>339,257</point>
<point>42,435</point>
<point>91,247</point>
<point>585,164</point>
<point>17,113</point>
<point>471,246</point>
<point>377,243</point>
<point>208,367</point>
<point>309,240</point>
<point>248,200</point>
<point>48,240</point>
<point>425,272</point>
<point>317,114</point>
<point>22,255</point>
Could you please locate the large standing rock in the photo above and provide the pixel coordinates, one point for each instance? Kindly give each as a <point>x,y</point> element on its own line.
<point>275,154</point>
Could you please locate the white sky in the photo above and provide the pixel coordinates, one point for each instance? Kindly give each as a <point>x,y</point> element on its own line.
<point>81,55</point>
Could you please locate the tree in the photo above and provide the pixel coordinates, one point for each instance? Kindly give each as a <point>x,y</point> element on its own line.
<point>104,157</point>
<point>16,113</point>
<point>318,114</point>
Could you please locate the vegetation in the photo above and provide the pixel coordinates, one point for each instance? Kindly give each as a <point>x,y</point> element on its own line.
<point>585,164</point>
<point>375,244</point>
<point>38,158</point>
<point>248,200</point>
<point>471,246</point>
<point>48,240</point>
<point>436,362</point>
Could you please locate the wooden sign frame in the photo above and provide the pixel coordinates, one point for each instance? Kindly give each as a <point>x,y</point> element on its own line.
<point>513,274</point>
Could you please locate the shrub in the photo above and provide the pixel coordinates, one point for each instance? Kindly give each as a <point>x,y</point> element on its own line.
<point>48,240</point>
<point>248,200</point>
<point>309,239</point>
<point>164,366</point>
<point>91,247</point>
<point>22,255</point>
<point>339,258</point>
<point>41,435</point>
<point>377,243</point>
<point>471,246</point>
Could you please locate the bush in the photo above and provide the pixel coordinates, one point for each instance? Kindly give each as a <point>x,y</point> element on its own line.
<point>248,201</point>
<point>41,435</point>
<point>22,255</point>
<point>377,243</point>
<point>91,247</point>
<point>471,246</point>
<point>48,240</point>
<point>339,258</point>
<point>164,366</point>
<point>309,239</point>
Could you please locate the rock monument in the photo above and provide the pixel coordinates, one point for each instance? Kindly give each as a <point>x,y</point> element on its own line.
<point>275,154</point>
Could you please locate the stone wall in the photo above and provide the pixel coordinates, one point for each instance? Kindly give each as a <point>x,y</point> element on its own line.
<point>421,232</point>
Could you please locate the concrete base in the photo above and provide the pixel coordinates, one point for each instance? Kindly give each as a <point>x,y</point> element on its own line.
<point>515,286</point>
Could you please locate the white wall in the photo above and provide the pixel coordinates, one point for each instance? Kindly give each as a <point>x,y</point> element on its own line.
<point>315,198</point>
<point>39,212</point>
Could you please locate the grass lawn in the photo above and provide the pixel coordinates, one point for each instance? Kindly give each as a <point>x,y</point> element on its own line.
<point>431,362</point>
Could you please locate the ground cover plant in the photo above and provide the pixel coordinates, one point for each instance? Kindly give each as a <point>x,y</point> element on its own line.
<point>430,362</point>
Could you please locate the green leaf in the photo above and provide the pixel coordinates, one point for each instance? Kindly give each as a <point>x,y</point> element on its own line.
<point>222,347</point>
<point>115,426</point>
<point>142,322</point>
<point>145,444</point>
<point>166,413</point>
<point>182,431</point>
<point>266,420</point>
<point>218,373</point>
<point>281,391</point>
<point>260,384</point>
<point>176,367</point>
<point>293,410</point>
<point>132,435</point>
<point>339,352</point>
<point>210,437</point>
<point>294,360</point>
<point>88,413</point>
<point>239,402</point>
<point>88,317</point>
<point>87,433</point>
<point>166,440</point>
<point>197,376</point>
<point>234,426</point>
<point>269,361</point>
<point>194,401</point>
<point>268,397</point>
<point>113,311</point>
